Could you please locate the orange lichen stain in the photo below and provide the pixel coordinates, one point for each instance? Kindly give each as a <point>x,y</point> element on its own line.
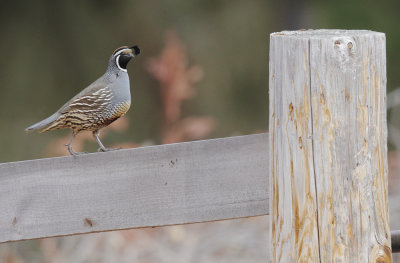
<point>362,118</point>
<point>365,80</point>
<point>324,128</point>
<point>307,107</point>
<point>304,217</point>
<point>380,187</point>
<point>302,111</point>
<point>365,148</point>
<point>291,111</point>
<point>273,238</point>
<point>307,256</point>
<point>328,242</point>
<point>347,95</point>
<point>365,63</point>
<point>315,103</point>
<point>326,115</point>
<point>277,122</point>
<point>322,99</point>
<point>275,235</point>
<point>303,214</point>
<point>375,88</point>
<point>349,230</point>
<point>305,210</point>
<point>338,251</point>
<point>328,199</point>
<point>381,254</point>
<point>324,110</point>
<point>305,61</point>
<point>297,221</point>
<point>291,168</point>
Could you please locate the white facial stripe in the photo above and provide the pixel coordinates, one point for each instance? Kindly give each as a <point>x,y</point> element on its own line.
<point>119,52</point>
<point>117,62</point>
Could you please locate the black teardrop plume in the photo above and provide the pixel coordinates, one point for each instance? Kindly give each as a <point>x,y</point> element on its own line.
<point>136,50</point>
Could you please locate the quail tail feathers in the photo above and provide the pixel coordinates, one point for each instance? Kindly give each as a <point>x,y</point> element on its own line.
<point>43,124</point>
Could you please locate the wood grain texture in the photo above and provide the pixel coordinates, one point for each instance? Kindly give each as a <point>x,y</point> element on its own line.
<point>344,98</point>
<point>348,72</point>
<point>294,227</point>
<point>150,186</point>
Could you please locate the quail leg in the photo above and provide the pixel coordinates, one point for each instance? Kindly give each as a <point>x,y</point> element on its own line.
<point>69,145</point>
<point>102,148</point>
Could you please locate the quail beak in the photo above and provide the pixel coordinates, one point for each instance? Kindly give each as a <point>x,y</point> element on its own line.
<point>128,52</point>
<point>131,52</point>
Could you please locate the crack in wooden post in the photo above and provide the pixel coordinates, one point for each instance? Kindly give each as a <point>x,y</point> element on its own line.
<point>313,152</point>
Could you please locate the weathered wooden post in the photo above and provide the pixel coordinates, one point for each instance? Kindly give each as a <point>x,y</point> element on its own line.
<point>328,147</point>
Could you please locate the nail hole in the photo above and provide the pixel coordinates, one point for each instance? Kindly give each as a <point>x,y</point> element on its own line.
<point>88,222</point>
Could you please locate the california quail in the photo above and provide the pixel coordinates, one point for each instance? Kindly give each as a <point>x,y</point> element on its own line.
<point>98,105</point>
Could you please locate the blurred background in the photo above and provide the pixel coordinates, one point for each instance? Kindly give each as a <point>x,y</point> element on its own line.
<point>202,73</point>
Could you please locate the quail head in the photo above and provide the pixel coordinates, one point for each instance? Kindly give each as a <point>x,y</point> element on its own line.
<point>98,105</point>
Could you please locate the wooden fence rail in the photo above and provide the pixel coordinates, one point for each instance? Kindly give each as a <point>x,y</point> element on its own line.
<point>150,186</point>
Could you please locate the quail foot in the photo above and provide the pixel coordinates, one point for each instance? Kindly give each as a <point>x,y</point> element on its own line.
<point>98,105</point>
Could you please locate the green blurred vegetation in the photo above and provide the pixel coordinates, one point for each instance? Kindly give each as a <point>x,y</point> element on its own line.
<point>51,50</point>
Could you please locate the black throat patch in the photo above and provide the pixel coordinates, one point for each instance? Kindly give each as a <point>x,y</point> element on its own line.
<point>122,61</point>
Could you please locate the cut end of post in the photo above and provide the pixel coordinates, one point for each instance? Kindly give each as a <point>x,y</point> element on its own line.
<point>323,33</point>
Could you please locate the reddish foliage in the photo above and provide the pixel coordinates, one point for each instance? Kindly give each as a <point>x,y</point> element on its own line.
<point>176,80</point>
